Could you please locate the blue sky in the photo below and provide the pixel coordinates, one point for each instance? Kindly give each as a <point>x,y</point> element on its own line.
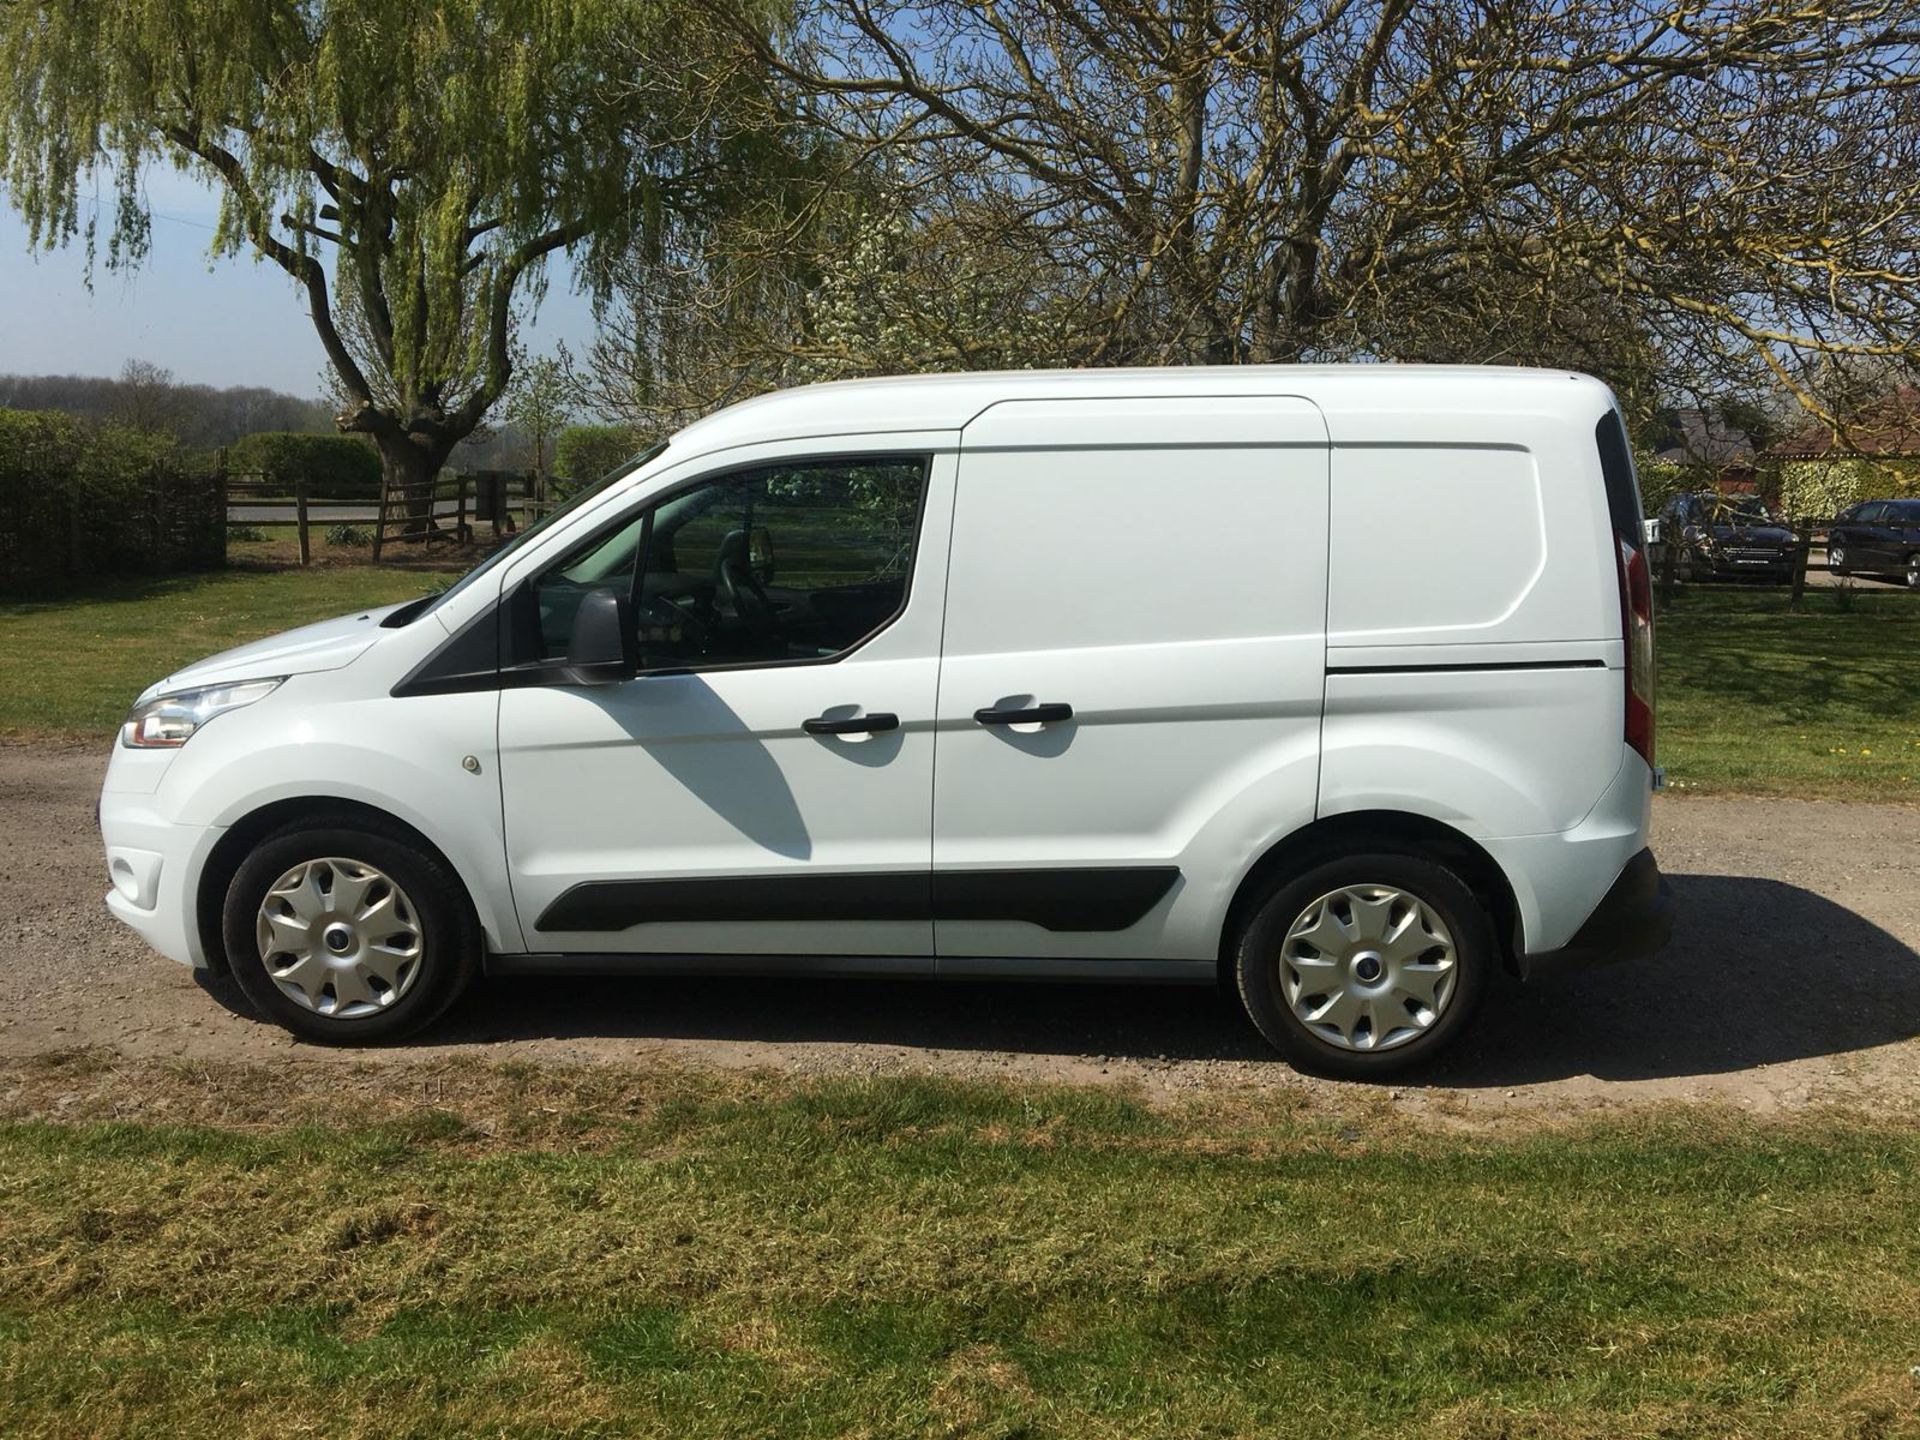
<point>226,322</point>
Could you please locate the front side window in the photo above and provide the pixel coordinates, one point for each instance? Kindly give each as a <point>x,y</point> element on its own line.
<point>787,562</point>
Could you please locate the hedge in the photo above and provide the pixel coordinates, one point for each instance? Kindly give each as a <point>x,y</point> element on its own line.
<point>1821,489</point>
<point>335,467</point>
<point>84,499</point>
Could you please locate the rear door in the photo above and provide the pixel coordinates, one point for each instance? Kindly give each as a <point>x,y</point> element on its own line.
<point>1132,670</point>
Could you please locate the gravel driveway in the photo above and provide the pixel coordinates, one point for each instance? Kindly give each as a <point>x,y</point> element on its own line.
<point>1792,981</point>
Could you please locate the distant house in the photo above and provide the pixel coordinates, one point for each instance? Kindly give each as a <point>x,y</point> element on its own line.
<point>1889,428</point>
<point>1701,442</point>
<point>1875,454</point>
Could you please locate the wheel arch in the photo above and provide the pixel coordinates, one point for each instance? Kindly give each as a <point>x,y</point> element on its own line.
<point>240,838</point>
<point>1361,830</point>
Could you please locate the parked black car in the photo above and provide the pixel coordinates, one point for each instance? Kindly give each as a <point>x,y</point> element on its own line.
<point>1727,537</point>
<point>1877,537</point>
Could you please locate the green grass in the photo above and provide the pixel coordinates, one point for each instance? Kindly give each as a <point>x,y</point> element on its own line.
<point>1760,698</point>
<point>904,1257</point>
<point>71,665</point>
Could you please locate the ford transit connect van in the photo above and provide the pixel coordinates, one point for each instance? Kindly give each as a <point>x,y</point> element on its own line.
<point>1335,685</point>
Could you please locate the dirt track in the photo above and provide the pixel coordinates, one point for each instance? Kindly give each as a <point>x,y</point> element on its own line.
<point>1793,981</point>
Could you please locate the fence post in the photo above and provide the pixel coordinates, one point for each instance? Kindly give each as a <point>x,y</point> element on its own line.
<point>300,514</point>
<point>1802,545</point>
<point>460,509</point>
<point>220,479</point>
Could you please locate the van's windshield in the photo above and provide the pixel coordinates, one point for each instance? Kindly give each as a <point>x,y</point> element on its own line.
<point>407,614</point>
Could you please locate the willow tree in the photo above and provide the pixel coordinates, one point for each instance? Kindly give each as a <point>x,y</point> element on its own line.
<point>411,167</point>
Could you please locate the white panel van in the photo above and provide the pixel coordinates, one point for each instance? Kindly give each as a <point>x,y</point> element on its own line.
<point>1331,684</point>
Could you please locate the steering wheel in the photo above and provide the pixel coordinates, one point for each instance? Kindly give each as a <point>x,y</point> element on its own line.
<point>695,629</point>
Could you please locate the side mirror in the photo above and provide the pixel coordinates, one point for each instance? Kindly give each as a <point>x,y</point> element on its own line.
<point>602,649</point>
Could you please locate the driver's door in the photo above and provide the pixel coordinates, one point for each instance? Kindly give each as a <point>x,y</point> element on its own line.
<point>764,785</point>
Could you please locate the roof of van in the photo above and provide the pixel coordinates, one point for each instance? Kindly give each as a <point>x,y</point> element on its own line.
<point>947,402</point>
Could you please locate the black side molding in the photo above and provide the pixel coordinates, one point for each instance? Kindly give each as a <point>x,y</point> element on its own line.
<point>605,905</point>
<point>1089,900</point>
<point>1467,666</point>
<point>1061,900</point>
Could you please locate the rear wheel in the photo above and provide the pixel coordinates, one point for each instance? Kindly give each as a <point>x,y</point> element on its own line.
<point>348,935</point>
<point>1366,965</point>
<point>1913,571</point>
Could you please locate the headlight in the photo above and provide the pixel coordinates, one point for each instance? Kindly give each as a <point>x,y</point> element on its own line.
<point>169,721</point>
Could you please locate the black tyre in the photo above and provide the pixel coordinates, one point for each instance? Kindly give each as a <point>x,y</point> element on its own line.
<point>1913,571</point>
<point>1837,560</point>
<point>1366,965</point>
<point>348,933</point>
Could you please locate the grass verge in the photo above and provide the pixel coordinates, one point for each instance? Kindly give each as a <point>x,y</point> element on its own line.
<point>1759,698</point>
<point>692,1255</point>
<point>70,665</point>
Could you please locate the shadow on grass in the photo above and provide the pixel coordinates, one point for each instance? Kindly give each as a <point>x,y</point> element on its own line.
<point>436,565</point>
<point>1759,972</point>
<point>103,590</point>
<point>1751,653</point>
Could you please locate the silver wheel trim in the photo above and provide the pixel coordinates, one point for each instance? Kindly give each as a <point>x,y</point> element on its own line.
<point>1836,556</point>
<point>1368,967</point>
<point>340,938</point>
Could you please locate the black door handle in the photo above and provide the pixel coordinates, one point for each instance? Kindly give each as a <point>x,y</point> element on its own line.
<point>1032,715</point>
<point>852,724</point>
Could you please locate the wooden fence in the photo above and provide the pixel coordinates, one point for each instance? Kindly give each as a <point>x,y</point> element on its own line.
<point>453,506</point>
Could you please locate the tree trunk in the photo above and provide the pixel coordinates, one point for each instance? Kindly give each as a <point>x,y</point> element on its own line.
<point>408,468</point>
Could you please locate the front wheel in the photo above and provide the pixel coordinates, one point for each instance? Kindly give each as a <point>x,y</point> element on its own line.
<point>348,935</point>
<point>1366,965</point>
<point>1913,571</point>
<point>1837,559</point>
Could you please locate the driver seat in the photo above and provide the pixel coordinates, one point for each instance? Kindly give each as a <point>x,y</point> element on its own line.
<point>738,585</point>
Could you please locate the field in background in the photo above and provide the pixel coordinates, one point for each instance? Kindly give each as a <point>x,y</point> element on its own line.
<point>624,1252</point>
<point>1754,696</point>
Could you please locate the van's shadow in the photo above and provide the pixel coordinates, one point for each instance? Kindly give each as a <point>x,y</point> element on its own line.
<point>1758,972</point>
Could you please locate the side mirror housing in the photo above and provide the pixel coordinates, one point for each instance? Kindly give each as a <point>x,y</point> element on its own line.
<point>602,649</point>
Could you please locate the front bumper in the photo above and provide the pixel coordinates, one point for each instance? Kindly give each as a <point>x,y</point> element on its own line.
<point>1751,565</point>
<point>1634,918</point>
<point>152,866</point>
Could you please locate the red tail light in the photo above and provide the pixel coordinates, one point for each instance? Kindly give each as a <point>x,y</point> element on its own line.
<point>1636,614</point>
